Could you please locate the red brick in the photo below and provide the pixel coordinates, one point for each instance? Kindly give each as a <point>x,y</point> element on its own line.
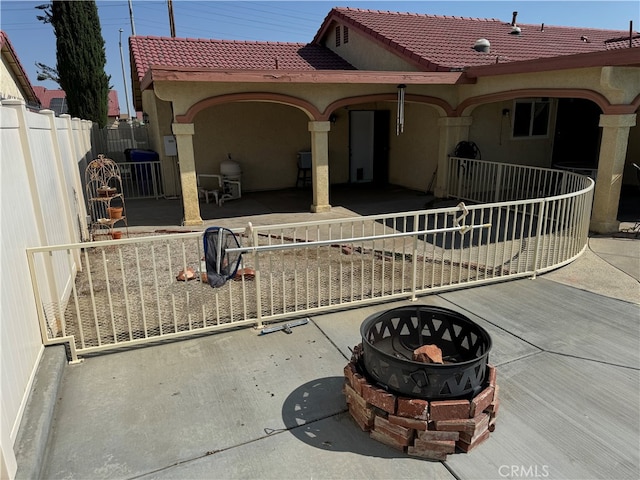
<point>448,409</point>
<point>384,425</point>
<point>428,454</point>
<point>467,447</point>
<point>495,393</point>
<point>481,401</point>
<point>380,398</point>
<point>408,422</point>
<point>364,420</point>
<point>446,446</point>
<point>461,425</point>
<point>493,408</point>
<point>349,372</point>
<point>390,439</point>
<point>353,397</point>
<point>491,374</point>
<point>431,435</point>
<point>413,408</point>
<point>481,426</point>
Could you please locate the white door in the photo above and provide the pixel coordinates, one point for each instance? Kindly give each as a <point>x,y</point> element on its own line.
<point>361,146</point>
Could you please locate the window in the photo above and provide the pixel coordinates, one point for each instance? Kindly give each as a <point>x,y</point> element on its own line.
<point>338,36</point>
<point>531,118</point>
<point>345,34</point>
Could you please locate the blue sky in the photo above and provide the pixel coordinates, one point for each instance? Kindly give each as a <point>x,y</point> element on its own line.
<point>286,21</point>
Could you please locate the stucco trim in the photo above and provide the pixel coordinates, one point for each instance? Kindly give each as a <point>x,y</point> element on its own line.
<point>465,108</point>
<point>312,112</point>
<point>439,104</point>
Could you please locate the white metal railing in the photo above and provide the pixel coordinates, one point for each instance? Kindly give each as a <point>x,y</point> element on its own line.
<point>141,179</point>
<point>126,292</point>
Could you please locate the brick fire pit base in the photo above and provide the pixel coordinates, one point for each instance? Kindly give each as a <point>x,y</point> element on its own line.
<point>421,428</point>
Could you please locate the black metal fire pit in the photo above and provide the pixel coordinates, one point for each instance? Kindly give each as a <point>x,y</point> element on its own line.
<point>389,339</point>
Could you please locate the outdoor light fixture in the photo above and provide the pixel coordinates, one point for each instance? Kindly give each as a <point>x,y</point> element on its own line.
<point>145,118</point>
<point>400,116</point>
<point>333,118</point>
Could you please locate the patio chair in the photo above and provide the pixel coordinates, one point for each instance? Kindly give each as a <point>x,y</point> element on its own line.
<point>213,188</point>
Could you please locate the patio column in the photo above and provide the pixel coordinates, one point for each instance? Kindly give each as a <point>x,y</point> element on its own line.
<point>613,151</point>
<point>452,131</point>
<point>320,165</point>
<point>187,167</point>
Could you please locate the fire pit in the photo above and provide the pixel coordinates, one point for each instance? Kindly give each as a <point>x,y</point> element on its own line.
<point>390,338</point>
<point>420,381</point>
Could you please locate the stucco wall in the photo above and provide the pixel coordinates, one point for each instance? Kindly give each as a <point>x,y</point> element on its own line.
<point>8,83</point>
<point>263,137</point>
<point>363,54</point>
<point>413,155</point>
<point>491,132</point>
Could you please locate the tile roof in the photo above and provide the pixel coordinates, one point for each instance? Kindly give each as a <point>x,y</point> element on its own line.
<point>46,96</point>
<point>230,55</point>
<point>436,42</point>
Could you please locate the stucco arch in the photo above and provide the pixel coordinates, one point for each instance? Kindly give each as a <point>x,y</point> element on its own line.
<point>309,109</point>
<point>467,106</point>
<point>442,106</point>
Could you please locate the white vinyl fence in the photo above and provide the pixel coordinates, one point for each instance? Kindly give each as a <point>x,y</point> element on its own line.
<point>129,292</point>
<point>42,204</point>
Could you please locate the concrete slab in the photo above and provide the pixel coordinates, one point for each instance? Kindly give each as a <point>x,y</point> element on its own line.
<point>331,448</point>
<point>558,318</point>
<point>31,442</point>
<point>124,414</point>
<point>560,417</point>
<point>622,253</point>
<point>610,274</point>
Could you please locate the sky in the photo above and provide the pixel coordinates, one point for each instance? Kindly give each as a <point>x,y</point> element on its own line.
<point>284,21</point>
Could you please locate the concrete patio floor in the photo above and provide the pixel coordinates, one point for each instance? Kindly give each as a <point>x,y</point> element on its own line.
<point>240,405</point>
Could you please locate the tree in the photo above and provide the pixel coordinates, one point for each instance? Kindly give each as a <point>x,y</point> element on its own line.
<point>80,57</point>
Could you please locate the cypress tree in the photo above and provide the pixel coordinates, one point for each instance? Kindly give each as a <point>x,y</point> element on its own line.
<point>81,59</point>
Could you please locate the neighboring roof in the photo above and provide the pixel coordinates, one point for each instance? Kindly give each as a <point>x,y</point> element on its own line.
<point>444,43</point>
<point>47,100</point>
<point>11,57</point>
<point>230,55</point>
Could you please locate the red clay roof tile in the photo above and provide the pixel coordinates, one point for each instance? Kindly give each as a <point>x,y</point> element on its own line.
<point>231,55</point>
<point>447,42</point>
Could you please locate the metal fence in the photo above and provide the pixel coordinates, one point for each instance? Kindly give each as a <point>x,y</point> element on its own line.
<point>141,179</point>
<point>127,292</point>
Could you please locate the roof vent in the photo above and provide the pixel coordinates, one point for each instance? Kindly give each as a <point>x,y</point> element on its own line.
<point>515,30</point>
<point>482,45</point>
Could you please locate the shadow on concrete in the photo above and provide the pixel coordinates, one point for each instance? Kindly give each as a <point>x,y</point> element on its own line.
<point>338,433</point>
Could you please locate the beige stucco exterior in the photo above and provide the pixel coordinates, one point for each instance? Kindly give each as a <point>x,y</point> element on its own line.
<point>360,52</point>
<point>264,123</point>
<point>9,85</point>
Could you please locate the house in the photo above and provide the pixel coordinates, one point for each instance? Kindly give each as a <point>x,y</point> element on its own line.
<point>383,97</point>
<point>56,101</point>
<point>14,82</point>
